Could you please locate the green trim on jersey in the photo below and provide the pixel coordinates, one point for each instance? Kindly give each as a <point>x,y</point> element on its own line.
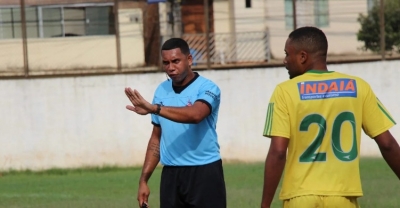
<point>315,71</point>
<point>386,113</point>
<point>270,114</point>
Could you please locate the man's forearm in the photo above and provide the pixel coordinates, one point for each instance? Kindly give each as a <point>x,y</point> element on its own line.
<point>151,160</point>
<point>392,157</point>
<point>188,114</point>
<point>274,166</point>
<point>179,114</point>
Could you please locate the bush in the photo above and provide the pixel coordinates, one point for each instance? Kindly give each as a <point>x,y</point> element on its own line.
<point>370,30</point>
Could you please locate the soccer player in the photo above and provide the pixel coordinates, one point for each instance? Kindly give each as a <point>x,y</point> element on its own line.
<point>184,116</point>
<point>314,121</point>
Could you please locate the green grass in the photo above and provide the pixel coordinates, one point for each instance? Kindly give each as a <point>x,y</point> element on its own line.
<point>116,187</point>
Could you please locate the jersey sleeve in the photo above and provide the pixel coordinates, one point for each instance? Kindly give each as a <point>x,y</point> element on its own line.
<point>210,94</point>
<point>155,118</point>
<point>376,119</point>
<point>277,122</point>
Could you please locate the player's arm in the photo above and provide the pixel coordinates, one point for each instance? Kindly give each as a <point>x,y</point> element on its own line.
<point>376,124</point>
<point>152,158</point>
<point>277,127</point>
<point>188,114</point>
<point>274,165</point>
<point>390,151</point>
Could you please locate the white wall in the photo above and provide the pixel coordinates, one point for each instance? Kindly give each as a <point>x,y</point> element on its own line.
<point>82,121</point>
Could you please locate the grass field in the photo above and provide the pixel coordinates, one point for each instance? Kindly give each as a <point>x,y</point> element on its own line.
<point>116,187</point>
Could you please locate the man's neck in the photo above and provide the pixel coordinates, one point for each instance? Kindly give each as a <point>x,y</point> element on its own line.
<point>317,69</point>
<point>185,81</point>
<point>321,66</point>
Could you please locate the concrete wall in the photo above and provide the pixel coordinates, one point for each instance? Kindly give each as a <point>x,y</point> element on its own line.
<point>82,121</point>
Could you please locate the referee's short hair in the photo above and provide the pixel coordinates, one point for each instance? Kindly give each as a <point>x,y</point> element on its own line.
<point>176,43</point>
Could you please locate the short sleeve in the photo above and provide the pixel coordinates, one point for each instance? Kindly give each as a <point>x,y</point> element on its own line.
<point>376,118</point>
<point>210,94</point>
<point>277,122</point>
<point>155,118</point>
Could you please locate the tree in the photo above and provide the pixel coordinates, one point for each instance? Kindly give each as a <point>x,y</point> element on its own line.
<point>151,33</point>
<point>370,30</point>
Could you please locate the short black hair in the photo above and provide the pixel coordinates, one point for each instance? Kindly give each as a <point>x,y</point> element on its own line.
<point>176,43</point>
<point>310,39</point>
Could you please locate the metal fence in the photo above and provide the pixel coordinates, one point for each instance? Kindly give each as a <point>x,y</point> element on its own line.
<point>89,37</point>
<point>229,48</point>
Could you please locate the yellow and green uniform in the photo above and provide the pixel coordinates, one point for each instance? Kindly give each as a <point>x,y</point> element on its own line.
<point>322,114</point>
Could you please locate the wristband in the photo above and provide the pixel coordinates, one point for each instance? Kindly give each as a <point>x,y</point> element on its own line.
<point>158,109</point>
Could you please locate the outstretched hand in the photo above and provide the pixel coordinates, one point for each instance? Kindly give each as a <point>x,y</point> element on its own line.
<point>139,104</point>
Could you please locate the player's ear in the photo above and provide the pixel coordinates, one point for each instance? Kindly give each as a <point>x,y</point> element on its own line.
<point>190,59</point>
<point>303,57</point>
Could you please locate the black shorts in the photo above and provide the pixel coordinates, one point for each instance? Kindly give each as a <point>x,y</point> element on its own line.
<point>193,186</point>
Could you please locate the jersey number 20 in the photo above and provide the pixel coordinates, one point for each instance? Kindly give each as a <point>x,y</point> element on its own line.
<point>311,154</point>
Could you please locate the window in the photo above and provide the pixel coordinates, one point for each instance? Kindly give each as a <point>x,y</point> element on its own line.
<point>248,3</point>
<point>321,13</point>
<point>51,22</point>
<point>289,14</point>
<point>10,23</point>
<point>370,4</point>
<point>47,22</point>
<point>308,12</point>
<point>99,21</point>
<point>74,21</point>
<point>6,24</point>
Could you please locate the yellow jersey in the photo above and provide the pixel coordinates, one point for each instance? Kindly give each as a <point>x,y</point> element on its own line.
<point>322,114</point>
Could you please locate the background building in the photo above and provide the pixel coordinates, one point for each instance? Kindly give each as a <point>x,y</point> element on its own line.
<point>70,36</point>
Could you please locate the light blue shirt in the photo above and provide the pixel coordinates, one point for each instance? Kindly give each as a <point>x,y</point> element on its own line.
<point>188,144</point>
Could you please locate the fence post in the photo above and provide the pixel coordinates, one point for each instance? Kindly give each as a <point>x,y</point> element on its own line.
<point>117,35</point>
<point>382,28</point>
<point>267,45</point>
<point>24,38</point>
<point>294,14</point>
<point>207,32</point>
<point>232,40</point>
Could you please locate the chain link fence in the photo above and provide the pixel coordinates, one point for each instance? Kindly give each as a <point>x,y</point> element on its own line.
<point>228,48</point>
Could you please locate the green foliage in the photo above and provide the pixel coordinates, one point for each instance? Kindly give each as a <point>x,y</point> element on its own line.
<point>370,30</point>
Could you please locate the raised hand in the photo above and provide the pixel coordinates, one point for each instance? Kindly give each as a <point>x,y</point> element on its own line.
<point>139,104</point>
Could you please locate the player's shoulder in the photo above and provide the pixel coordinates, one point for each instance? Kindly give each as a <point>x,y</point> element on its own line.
<point>166,83</point>
<point>344,75</point>
<point>292,84</point>
<point>333,75</point>
<point>204,81</point>
<point>359,80</point>
<point>164,87</point>
<point>288,84</point>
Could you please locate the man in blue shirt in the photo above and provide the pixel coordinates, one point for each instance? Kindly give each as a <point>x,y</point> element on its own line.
<point>184,115</point>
